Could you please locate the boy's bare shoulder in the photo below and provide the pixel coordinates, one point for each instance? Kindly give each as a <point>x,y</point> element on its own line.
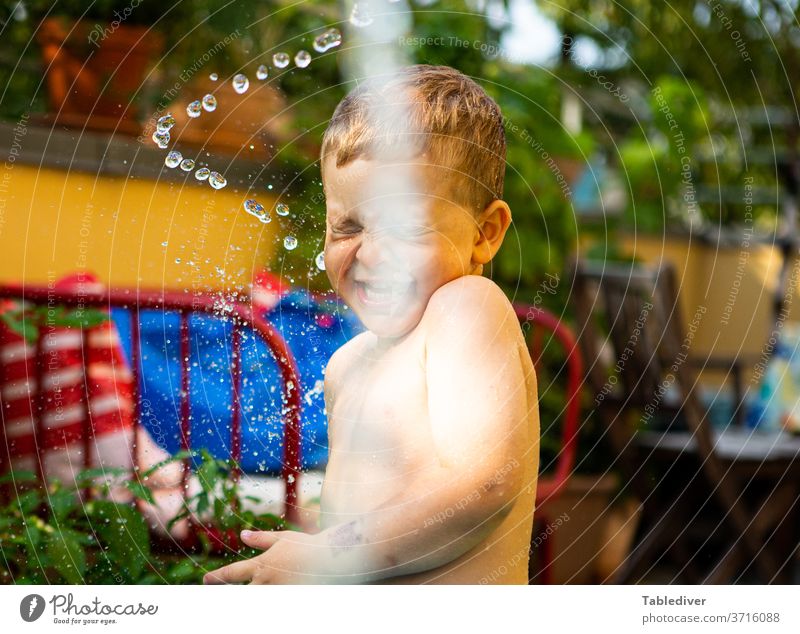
<point>471,302</point>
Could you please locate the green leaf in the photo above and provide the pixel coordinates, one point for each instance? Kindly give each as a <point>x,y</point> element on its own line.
<point>62,502</point>
<point>88,476</point>
<point>140,491</point>
<point>269,522</point>
<point>208,475</point>
<point>122,529</point>
<point>18,477</point>
<point>22,323</point>
<point>183,571</point>
<point>29,501</point>
<point>202,504</point>
<point>81,318</point>
<point>67,556</point>
<point>33,537</point>
<point>181,455</point>
<point>177,518</point>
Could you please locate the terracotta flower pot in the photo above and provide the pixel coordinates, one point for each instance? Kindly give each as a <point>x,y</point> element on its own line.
<point>94,71</point>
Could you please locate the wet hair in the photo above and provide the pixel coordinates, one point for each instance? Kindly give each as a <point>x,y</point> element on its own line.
<point>434,112</point>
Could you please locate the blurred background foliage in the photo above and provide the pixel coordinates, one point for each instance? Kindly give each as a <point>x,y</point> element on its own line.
<point>735,64</point>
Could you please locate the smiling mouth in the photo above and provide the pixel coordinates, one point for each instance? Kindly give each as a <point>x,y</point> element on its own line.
<point>381,295</point>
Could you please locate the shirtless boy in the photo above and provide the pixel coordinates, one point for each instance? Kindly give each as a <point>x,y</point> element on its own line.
<point>433,417</point>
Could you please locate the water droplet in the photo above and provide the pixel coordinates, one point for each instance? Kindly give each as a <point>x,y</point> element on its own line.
<point>173,159</point>
<point>217,180</point>
<point>194,109</point>
<point>253,207</point>
<point>165,123</point>
<point>161,139</point>
<point>281,60</point>
<point>320,261</point>
<point>241,83</point>
<point>360,16</point>
<point>202,174</point>
<point>327,40</point>
<point>282,209</point>
<point>290,243</point>
<point>209,103</point>
<point>302,59</point>
<point>177,260</point>
<point>262,72</point>
<point>163,244</point>
<point>213,77</point>
<point>187,164</point>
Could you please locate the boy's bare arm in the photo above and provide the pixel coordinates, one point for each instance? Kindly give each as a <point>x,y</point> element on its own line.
<point>478,408</point>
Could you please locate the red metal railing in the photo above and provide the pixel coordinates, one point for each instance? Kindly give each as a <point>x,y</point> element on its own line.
<point>549,488</point>
<point>185,304</point>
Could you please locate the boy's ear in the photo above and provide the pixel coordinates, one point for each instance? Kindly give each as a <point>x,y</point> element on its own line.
<point>493,222</point>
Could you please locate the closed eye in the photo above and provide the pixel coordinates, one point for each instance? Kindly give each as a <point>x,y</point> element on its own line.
<point>410,231</point>
<point>346,228</point>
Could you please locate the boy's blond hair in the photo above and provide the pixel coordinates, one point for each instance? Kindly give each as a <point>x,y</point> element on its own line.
<point>448,118</point>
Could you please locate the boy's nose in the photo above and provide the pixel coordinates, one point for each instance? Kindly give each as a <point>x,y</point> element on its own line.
<point>372,251</point>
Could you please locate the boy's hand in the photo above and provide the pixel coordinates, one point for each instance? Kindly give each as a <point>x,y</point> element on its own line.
<point>289,557</point>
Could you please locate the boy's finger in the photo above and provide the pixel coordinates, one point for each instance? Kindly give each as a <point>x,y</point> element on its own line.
<point>237,572</point>
<point>261,539</point>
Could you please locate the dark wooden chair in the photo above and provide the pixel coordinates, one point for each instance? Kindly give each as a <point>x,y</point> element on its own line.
<point>732,490</point>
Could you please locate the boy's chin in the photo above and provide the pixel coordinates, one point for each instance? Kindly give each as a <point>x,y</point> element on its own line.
<point>389,326</point>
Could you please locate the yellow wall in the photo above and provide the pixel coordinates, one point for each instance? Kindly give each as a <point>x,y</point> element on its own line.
<point>735,285</point>
<point>54,222</point>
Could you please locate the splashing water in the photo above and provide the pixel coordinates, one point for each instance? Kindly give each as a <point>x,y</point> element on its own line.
<point>290,243</point>
<point>262,72</point>
<point>241,83</point>
<point>217,180</point>
<point>320,260</point>
<point>302,59</point>
<point>173,159</point>
<point>327,40</point>
<point>194,109</point>
<point>165,123</point>
<point>209,103</point>
<point>202,174</point>
<point>253,207</point>
<point>187,164</point>
<point>282,209</point>
<point>317,390</point>
<point>213,77</point>
<point>161,139</point>
<point>281,60</point>
<point>360,16</point>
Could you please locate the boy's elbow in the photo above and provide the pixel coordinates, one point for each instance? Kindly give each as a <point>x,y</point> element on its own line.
<point>500,493</point>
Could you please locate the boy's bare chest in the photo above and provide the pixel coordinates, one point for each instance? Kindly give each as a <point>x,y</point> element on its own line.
<point>381,407</point>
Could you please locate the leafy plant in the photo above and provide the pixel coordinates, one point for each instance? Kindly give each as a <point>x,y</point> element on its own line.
<point>28,321</point>
<point>52,536</point>
<point>219,499</point>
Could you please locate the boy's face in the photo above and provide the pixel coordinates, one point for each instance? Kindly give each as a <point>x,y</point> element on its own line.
<point>393,237</point>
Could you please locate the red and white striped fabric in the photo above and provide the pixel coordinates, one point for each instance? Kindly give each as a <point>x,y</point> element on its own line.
<point>109,386</point>
<point>109,395</point>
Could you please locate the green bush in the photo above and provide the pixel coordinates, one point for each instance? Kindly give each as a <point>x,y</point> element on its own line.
<point>51,536</point>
